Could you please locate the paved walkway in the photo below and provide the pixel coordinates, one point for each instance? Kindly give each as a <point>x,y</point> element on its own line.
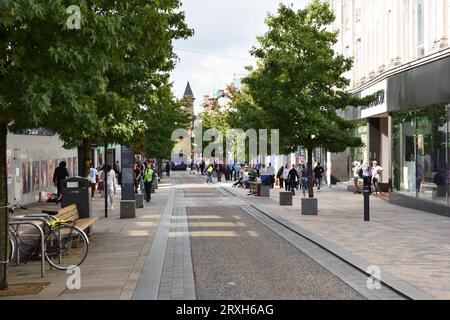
<point>180,239</point>
<point>411,247</point>
<point>117,254</point>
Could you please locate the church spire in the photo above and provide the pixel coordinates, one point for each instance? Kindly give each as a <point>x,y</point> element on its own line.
<point>188,92</point>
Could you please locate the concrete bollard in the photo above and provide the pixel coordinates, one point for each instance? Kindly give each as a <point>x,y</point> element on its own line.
<point>285,198</point>
<point>310,207</point>
<point>128,209</point>
<point>265,191</point>
<point>139,201</point>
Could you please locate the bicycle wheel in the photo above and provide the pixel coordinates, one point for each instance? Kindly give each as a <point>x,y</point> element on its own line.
<point>66,246</point>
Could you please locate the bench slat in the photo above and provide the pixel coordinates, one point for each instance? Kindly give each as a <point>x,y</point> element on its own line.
<point>83,224</point>
<point>69,213</point>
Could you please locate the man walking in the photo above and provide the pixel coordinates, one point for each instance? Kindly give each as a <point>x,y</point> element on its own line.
<point>292,178</point>
<point>376,176</point>
<point>365,172</point>
<point>93,177</point>
<point>271,173</point>
<point>148,181</point>
<point>168,168</point>
<point>59,176</point>
<point>318,175</point>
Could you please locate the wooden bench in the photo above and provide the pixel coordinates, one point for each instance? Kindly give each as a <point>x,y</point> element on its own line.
<point>70,214</point>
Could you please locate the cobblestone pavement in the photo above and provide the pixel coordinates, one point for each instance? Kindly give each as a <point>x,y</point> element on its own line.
<point>411,247</point>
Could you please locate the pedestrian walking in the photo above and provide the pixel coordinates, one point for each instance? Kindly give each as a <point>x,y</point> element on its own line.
<point>376,176</point>
<point>318,175</point>
<point>101,181</point>
<point>111,182</point>
<point>148,177</point>
<point>286,177</point>
<point>271,173</point>
<point>93,178</point>
<point>355,170</point>
<point>167,168</point>
<point>280,177</point>
<point>238,170</point>
<point>365,172</point>
<point>305,179</point>
<point>293,178</point>
<point>202,167</point>
<point>137,177</point>
<point>60,174</point>
<point>191,167</point>
<point>209,174</point>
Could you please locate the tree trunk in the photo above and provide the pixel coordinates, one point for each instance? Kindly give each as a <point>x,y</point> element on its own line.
<point>4,223</point>
<point>159,167</point>
<point>310,174</point>
<point>86,157</point>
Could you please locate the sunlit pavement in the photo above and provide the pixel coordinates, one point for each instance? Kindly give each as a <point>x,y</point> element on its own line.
<point>198,241</point>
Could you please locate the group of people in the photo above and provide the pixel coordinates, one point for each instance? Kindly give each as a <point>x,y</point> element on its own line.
<point>290,178</point>
<point>97,180</point>
<point>296,177</point>
<point>145,175</point>
<point>369,173</point>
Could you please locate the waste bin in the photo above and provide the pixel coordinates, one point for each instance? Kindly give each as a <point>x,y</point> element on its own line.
<point>77,191</point>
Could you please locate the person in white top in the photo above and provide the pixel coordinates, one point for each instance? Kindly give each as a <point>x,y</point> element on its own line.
<point>93,176</point>
<point>271,172</point>
<point>356,167</point>
<point>376,176</point>
<point>111,182</point>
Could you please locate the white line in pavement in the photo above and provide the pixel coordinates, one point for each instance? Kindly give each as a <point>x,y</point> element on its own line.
<point>149,281</point>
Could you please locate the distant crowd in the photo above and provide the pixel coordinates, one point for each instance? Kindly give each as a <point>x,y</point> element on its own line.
<point>288,177</point>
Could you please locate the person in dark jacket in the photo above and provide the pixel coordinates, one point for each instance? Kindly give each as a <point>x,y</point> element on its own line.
<point>292,178</point>
<point>280,177</point>
<point>59,175</point>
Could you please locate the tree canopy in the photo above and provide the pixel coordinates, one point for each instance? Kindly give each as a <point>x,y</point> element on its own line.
<point>300,81</point>
<point>87,83</point>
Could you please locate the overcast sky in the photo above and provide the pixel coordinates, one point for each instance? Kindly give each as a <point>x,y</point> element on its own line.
<point>225,32</point>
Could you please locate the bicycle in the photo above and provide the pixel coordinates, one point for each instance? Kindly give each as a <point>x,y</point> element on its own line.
<point>66,245</point>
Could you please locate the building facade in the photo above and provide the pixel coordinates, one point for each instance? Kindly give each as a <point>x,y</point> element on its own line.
<point>401,52</point>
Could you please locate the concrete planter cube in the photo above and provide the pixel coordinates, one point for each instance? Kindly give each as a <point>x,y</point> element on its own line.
<point>128,209</point>
<point>265,191</point>
<point>139,201</point>
<point>310,207</point>
<point>285,198</point>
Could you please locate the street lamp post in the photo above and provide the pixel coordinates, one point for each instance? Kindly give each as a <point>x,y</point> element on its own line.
<point>366,200</point>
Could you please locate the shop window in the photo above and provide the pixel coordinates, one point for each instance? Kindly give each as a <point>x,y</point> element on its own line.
<point>420,154</point>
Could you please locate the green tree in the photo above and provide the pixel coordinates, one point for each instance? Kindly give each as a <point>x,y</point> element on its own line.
<point>300,83</point>
<point>83,84</point>
<point>163,114</point>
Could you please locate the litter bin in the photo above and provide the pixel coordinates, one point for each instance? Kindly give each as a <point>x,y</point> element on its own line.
<point>77,191</point>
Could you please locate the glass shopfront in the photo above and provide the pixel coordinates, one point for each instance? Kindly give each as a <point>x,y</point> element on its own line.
<point>421,150</point>
<point>362,153</point>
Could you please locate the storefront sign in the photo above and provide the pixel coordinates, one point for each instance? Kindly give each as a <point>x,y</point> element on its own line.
<point>379,106</point>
